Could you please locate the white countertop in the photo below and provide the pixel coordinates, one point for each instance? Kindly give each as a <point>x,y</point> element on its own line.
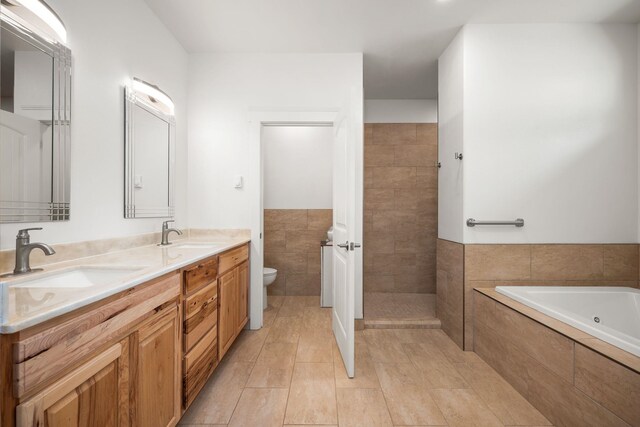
<point>22,307</point>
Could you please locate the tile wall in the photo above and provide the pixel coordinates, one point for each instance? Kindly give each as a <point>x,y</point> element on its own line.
<point>528,265</point>
<point>292,246</point>
<point>565,380</point>
<point>400,207</point>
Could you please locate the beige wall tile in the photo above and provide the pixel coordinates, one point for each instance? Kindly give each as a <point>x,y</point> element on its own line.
<point>274,241</point>
<point>621,262</point>
<point>285,219</point>
<point>362,408</point>
<point>497,262</point>
<point>319,219</point>
<point>552,350</point>
<point>450,288</point>
<point>378,155</point>
<point>313,263</point>
<point>368,177</point>
<point>567,262</point>
<point>395,177</point>
<point>379,242</point>
<point>406,199</point>
<point>562,404</point>
<point>264,407</point>
<point>368,133</point>
<point>377,282</point>
<point>427,134</point>
<point>376,199</point>
<point>303,284</point>
<point>304,241</point>
<point>545,387</point>
<point>413,155</point>
<point>394,133</point>
<point>292,246</point>
<point>502,356</point>
<point>614,386</point>
<point>427,176</point>
<point>312,397</point>
<point>401,210</point>
<point>286,262</point>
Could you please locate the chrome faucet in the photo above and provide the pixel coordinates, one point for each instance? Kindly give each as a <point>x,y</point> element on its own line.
<point>165,233</point>
<point>24,248</point>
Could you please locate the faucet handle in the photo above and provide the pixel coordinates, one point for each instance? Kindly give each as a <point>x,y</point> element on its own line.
<point>25,232</point>
<point>165,224</point>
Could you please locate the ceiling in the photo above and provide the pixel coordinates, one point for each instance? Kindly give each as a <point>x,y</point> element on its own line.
<point>401,39</point>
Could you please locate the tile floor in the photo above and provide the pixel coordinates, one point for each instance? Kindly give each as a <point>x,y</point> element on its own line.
<point>400,310</point>
<point>290,373</point>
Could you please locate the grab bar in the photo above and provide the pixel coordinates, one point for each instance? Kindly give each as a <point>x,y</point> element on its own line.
<point>519,222</point>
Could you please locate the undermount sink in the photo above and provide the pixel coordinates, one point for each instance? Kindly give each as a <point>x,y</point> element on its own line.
<point>77,277</point>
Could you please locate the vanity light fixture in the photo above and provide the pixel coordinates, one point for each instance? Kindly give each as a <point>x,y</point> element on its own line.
<point>154,96</point>
<point>48,21</point>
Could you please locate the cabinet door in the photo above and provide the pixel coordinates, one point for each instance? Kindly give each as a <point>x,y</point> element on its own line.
<point>227,322</point>
<point>243,296</point>
<point>95,394</point>
<point>157,371</point>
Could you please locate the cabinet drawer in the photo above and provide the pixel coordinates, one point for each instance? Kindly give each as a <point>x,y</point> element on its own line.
<point>201,314</point>
<point>45,355</point>
<point>201,300</point>
<point>200,275</point>
<point>233,257</point>
<point>199,363</point>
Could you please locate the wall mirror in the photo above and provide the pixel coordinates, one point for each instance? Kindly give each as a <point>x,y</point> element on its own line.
<point>35,119</point>
<point>149,151</point>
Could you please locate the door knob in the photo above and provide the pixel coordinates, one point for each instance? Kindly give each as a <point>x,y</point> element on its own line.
<point>344,245</point>
<point>353,246</point>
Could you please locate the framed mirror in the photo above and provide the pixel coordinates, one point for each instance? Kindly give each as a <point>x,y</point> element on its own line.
<point>149,152</point>
<point>35,116</point>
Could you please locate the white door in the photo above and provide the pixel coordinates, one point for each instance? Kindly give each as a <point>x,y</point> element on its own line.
<point>344,227</point>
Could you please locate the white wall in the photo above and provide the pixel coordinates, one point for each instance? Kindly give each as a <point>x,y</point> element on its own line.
<point>450,138</point>
<point>226,92</point>
<point>297,167</point>
<point>400,111</point>
<point>550,132</point>
<point>111,42</point>
<point>223,90</point>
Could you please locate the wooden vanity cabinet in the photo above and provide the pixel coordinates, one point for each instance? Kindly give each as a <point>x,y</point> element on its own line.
<point>200,301</point>
<point>234,297</point>
<point>95,394</point>
<point>157,354</point>
<point>113,363</point>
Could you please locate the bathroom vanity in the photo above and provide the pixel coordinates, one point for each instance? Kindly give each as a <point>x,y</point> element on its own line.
<point>136,352</point>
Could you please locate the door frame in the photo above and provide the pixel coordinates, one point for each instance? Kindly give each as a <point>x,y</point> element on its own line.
<point>257,119</point>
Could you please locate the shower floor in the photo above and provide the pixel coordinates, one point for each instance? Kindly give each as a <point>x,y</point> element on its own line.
<point>399,311</point>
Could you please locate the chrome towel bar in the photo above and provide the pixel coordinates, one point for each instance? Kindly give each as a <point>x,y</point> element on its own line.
<point>519,222</point>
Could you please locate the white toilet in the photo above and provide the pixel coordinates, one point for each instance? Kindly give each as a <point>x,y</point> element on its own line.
<point>268,277</point>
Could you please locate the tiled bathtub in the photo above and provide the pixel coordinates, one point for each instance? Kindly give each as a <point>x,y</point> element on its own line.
<point>573,378</point>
